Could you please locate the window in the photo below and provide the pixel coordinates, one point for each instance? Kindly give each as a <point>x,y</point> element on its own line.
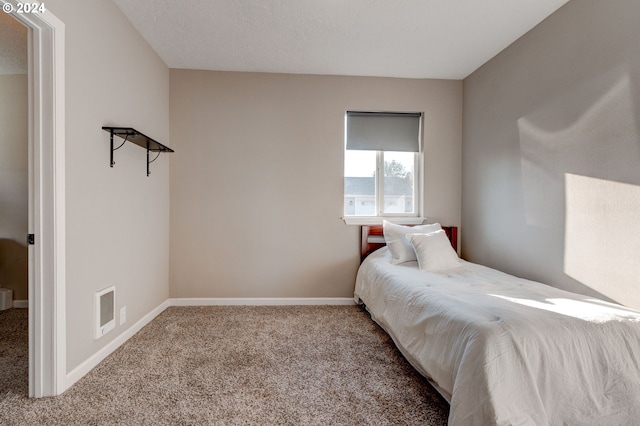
<point>382,165</point>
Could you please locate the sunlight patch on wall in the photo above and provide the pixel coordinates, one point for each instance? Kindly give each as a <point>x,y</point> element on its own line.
<point>602,236</point>
<point>589,130</point>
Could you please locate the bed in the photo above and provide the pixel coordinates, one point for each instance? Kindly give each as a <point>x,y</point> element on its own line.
<point>501,349</point>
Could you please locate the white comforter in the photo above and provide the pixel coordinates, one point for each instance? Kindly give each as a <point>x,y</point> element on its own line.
<point>505,350</point>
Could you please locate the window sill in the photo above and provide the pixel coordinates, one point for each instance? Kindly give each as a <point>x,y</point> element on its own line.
<point>377,220</point>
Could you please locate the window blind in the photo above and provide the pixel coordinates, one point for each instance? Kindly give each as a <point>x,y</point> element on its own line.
<point>383,131</point>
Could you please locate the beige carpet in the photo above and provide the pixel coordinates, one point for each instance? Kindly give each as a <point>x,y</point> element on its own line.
<point>293,365</point>
<point>14,353</point>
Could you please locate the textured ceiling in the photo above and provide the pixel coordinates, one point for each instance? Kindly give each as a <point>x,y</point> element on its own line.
<point>13,46</point>
<point>394,38</point>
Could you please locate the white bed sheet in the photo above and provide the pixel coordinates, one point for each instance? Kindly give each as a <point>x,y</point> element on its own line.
<point>504,350</point>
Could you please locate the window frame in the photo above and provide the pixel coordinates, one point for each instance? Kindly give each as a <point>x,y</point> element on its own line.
<point>416,217</point>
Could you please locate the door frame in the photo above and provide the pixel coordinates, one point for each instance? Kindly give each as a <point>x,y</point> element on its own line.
<point>47,272</point>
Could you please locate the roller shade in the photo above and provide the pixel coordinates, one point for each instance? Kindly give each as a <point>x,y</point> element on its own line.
<point>383,131</point>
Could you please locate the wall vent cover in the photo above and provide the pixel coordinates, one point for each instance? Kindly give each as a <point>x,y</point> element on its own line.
<point>104,306</point>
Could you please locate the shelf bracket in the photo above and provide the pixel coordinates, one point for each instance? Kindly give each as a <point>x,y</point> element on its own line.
<point>112,162</point>
<point>151,161</point>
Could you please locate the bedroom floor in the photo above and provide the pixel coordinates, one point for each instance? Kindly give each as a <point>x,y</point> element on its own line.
<point>236,365</point>
<point>14,352</point>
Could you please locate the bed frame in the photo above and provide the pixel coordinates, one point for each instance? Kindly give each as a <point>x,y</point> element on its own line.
<point>373,238</point>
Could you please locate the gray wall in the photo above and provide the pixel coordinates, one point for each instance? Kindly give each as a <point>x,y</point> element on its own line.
<point>257,178</point>
<point>14,138</point>
<point>14,183</point>
<point>551,153</point>
<point>117,219</point>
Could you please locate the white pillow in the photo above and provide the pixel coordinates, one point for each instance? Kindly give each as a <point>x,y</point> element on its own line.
<point>434,251</point>
<point>396,238</point>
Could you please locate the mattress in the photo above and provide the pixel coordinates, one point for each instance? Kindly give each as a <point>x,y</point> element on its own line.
<point>505,350</point>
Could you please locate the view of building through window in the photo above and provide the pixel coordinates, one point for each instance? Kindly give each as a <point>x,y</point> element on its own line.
<point>398,182</point>
<point>361,182</point>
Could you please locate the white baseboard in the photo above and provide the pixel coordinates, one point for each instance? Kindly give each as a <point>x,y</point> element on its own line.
<point>78,372</point>
<point>260,301</point>
<point>22,304</point>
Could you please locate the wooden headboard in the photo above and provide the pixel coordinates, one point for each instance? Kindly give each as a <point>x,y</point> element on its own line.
<point>373,238</point>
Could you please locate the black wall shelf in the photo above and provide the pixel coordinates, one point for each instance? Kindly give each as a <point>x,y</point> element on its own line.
<point>130,134</point>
